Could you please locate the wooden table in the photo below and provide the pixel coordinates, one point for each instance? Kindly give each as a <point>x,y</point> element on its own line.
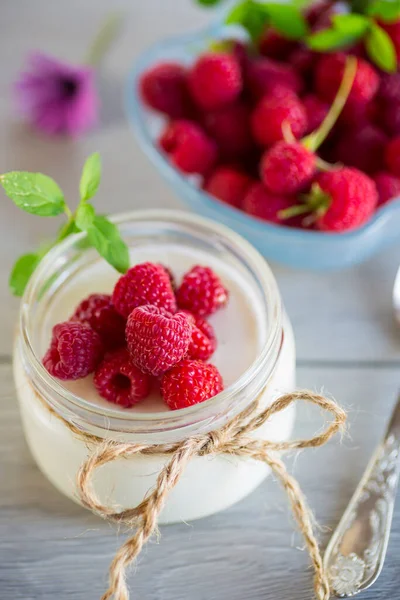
<point>347,345</point>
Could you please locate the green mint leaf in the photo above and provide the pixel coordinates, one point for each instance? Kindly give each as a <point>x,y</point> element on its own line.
<point>91,175</point>
<point>352,24</point>
<point>287,19</point>
<point>21,273</point>
<point>106,238</point>
<point>35,193</point>
<point>345,30</point>
<point>85,215</point>
<point>386,10</point>
<point>380,49</point>
<point>251,15</point>
<point>330,39</point>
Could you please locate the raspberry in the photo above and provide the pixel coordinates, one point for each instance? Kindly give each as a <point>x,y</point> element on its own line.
<point>170,274</point>
<point>389,88</point>
<point>119,381</point>
<point>324,13</point>
<point>190,382</point>
<point>392,156</point>
<point>329,74</point>
<point>273,111</point>
<point>240,53</point>
<point>388,103</point>
<point>190,149</point>
<point>230,128</point>
<point>203,343</point>
<point>145,283</point>
<point>352,198</point>
<point>316,111</point>
<point>317,11</point>
<point>362,148</point>
<point>287,168</point>
<point>388,187</point>
<point>265,205</point>
<point>275,45</point>
<point>157,340</point>
<point>263,75</point>
<point>201,347</point>
<point>75,351</point>
<point>215,80</point>
<point>393,30</point>
<point>358,114</point>
<point>98,311</point>
<point>229,185</point>
<point>303,61</point>
<point>388,117</point>
<point>201,292</point>
<point>163,88</point>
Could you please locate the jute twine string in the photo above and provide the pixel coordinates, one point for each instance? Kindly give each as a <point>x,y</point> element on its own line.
<point>232,438</point>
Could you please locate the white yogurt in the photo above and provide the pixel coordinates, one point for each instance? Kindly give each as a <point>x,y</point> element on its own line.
<point>209,483</point>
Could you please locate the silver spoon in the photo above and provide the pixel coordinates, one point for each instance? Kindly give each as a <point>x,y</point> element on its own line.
<point>356,552</point>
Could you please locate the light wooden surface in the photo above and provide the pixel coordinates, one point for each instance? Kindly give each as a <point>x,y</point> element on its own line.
<point>347,344</point>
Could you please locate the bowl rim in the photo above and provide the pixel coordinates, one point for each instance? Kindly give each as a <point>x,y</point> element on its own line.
<point>134,106</point>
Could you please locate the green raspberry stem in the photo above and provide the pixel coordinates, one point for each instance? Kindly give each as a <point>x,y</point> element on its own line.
<point>294,211</point>
<point>313,141</point>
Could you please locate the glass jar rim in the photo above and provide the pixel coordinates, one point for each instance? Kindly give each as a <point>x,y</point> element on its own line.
<point>169,419</point>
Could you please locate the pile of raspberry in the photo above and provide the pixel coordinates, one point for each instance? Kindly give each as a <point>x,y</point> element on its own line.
<point>226,119</point>
<point>149,333</point>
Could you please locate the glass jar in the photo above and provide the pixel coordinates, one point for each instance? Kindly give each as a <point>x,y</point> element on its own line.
<point>210,483</point>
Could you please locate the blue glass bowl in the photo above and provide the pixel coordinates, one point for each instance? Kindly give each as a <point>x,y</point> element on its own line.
<point>294,247</point>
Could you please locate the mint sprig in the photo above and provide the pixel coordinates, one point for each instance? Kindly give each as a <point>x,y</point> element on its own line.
<point>255,16</point>
<point>380,48</point>
<point>348,29</point>
<point>345,31</point>
<point>40,195</point>
<point>35,193</point>
<point>385,10</point>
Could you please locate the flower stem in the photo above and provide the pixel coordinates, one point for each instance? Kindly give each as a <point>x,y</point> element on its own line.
<point>103,40</point>
<point>313,141</point>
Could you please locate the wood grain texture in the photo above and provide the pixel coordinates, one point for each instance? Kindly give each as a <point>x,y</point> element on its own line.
<point>50,547</point>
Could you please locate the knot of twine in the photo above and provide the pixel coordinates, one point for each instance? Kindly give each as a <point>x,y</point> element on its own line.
<point>232,438</point>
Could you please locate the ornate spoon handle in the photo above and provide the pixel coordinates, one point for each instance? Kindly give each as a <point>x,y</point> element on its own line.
<point>356,552</point>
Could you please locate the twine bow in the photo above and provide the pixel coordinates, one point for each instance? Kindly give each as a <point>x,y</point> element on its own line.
<point>233,438</point>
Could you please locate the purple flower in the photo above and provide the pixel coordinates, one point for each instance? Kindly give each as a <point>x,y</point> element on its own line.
<point>57,98</point>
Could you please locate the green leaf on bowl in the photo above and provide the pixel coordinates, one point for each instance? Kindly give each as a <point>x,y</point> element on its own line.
<point>353,24</point>
<point>380,48</point>
<point>345,31</point>
<point>251,15</point>
<point>386,10</point>
<point>287,19</point>
<point>329,39</point>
